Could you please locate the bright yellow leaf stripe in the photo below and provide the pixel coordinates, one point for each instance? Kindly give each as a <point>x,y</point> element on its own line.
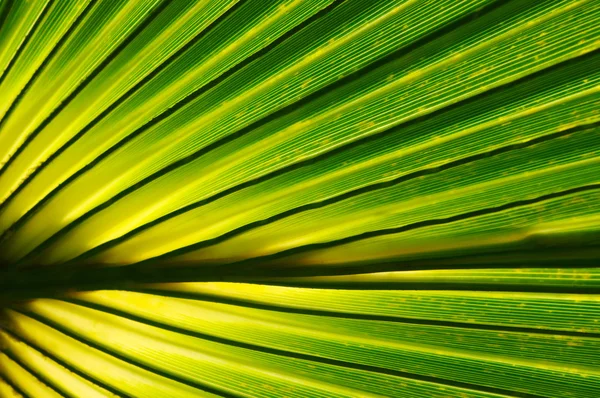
<point>307,198</point>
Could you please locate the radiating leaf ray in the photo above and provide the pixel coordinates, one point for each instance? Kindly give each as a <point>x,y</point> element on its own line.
<point>7,390</point>
<point>25,381</point>
<point>68,383</point>
<point>249,146</point>
<point>280,362</point>
<point>17,25</point>
<point>300,198</point>
<point>201,102</point>
<point>46,40</point>
<point>508,279</point>
<point>103,29</point>
<point>143,53</point>
<point>127,378</point>
<point>148,112</point>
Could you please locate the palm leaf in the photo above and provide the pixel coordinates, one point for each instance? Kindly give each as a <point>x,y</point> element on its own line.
<point>301,198</point>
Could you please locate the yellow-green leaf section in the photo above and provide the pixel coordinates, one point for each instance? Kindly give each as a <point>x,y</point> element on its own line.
<point>300,198</point>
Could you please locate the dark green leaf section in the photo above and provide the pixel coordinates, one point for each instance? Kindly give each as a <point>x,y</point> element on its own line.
<point>300,198</point>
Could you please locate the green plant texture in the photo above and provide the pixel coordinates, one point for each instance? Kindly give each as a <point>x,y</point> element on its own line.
<point>300,198</point>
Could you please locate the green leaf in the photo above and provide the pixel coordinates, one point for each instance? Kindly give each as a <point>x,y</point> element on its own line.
<point>300,198</point>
